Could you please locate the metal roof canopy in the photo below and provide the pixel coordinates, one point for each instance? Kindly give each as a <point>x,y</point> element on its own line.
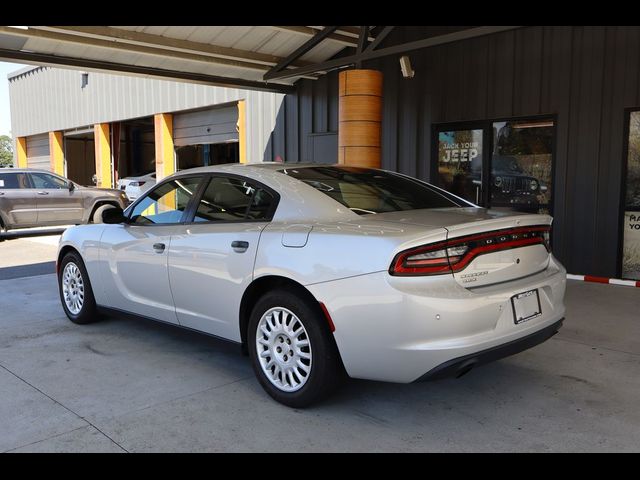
<point>268,58</point>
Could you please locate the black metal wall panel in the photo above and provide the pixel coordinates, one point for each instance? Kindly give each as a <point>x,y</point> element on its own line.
<point>584,76</point>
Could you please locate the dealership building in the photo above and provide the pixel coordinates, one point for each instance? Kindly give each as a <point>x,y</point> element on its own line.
<point>532,119</point>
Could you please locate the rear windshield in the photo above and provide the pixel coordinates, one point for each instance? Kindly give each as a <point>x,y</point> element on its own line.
<point>366,191</point>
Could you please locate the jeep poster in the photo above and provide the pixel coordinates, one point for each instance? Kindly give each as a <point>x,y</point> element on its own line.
<point>459,153</point>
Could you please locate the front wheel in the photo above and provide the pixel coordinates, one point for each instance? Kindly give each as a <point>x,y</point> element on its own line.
<point>76,294</point>
<point>96,216</point>
<point>292,351</point>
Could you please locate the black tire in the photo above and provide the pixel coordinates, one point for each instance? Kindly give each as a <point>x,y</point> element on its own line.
<point>326,372</point>
<point>96,215</point>
<point>88,312</point>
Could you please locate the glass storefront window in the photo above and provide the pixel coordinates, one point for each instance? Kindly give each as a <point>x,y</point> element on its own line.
<point>631,226</point>
<point>516,156</point>
<point>521,166</point>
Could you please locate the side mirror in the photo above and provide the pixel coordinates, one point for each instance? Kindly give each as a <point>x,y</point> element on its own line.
<point>72,187</point>
<point>111,214</point>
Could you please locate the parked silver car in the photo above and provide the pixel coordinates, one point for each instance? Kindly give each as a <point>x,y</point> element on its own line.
<point>319,270</point>
<point>34,198</point>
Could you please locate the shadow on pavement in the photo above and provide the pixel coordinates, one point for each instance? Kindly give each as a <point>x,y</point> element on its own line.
<point>15,234</point>
<point>30,270</point>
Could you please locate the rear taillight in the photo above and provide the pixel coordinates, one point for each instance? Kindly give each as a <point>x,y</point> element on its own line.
<point>454,255</point>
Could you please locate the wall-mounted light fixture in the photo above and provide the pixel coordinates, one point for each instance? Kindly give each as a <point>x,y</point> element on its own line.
<point>405,67</point>
<point>84,79</point>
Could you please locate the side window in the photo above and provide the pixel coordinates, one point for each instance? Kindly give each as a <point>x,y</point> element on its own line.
<point>44,181</point>
<point>227,199</point>
<point>165,203</point>
<point>260,205</point>
<point>13,181</point>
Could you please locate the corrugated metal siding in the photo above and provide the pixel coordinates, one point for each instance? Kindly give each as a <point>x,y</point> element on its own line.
<point>38,152</point>
<point>213,125</point>
<point>48,99</point>
<point>301,117</point>
<point>263,137</point>
<point>586,76</point>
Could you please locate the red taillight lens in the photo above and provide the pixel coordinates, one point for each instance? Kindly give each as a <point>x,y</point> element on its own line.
<point>454,255</point>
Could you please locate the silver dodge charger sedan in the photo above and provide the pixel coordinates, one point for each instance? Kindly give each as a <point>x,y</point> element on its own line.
<point>321,272</point>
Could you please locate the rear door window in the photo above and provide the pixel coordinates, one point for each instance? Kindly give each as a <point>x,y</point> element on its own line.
<point>228,199</point>
<point>13,180</point>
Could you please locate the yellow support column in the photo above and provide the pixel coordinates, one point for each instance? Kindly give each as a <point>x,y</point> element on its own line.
<point>165,159</point>
<point>242,130</point>
<point>56,152</point>
<point>103,155</point>
<point>21,152</point>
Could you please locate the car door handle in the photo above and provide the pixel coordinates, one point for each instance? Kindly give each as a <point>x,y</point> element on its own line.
<point>159,247</point>
<point>239,246</point>
<point>43,193</point>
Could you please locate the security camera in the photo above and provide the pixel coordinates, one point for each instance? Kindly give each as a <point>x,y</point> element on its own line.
<point>405,67</point>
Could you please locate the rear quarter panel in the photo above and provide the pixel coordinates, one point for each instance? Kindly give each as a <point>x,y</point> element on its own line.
<point>336,250</point>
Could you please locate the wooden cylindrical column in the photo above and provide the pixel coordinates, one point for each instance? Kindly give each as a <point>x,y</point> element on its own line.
<point>360,117</point>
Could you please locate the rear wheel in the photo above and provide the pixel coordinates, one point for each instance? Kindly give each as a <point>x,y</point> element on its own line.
<point>75,290</point>
<point>292,351</point>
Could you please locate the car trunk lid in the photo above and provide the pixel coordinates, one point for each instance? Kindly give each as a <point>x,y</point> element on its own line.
<point>502,246</point>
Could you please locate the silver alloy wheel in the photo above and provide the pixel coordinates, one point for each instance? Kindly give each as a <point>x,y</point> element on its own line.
<point>283,349</point>
<point>73,288</point>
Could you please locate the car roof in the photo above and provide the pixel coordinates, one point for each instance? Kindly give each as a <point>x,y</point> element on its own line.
<point>298,199</point>
<point>24,170</point>
<point>259,168</point>
<point>261,165</point>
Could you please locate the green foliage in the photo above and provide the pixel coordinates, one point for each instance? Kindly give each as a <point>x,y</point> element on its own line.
<point>6,151</point>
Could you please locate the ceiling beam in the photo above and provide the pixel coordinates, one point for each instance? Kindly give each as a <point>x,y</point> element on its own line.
<point>347,31</point>
<point>35,32</point>
<point>380,37</point>
<point>362,43</point>
<point>370,54</point>
<point>157,41</point>
<point>301,50</point>
<point>50,60</point>
<point>347,40</point>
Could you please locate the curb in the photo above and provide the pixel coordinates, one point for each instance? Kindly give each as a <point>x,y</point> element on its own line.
<point>611,281</point>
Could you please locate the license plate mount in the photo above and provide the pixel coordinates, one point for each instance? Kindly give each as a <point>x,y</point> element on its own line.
<point>526,305</point>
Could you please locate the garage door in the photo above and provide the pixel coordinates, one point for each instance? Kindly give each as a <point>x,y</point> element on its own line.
<point>38,152</point>
<point>214,125</point>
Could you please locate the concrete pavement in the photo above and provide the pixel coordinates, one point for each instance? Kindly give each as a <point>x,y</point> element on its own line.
<point>28,256</point>
<point>138,386</point>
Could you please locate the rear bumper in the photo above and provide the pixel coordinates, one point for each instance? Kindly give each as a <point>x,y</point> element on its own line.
<point>461,365</point>
<point>396,329</point>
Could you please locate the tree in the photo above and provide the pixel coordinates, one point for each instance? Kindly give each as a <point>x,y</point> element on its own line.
<point>6,151</point>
